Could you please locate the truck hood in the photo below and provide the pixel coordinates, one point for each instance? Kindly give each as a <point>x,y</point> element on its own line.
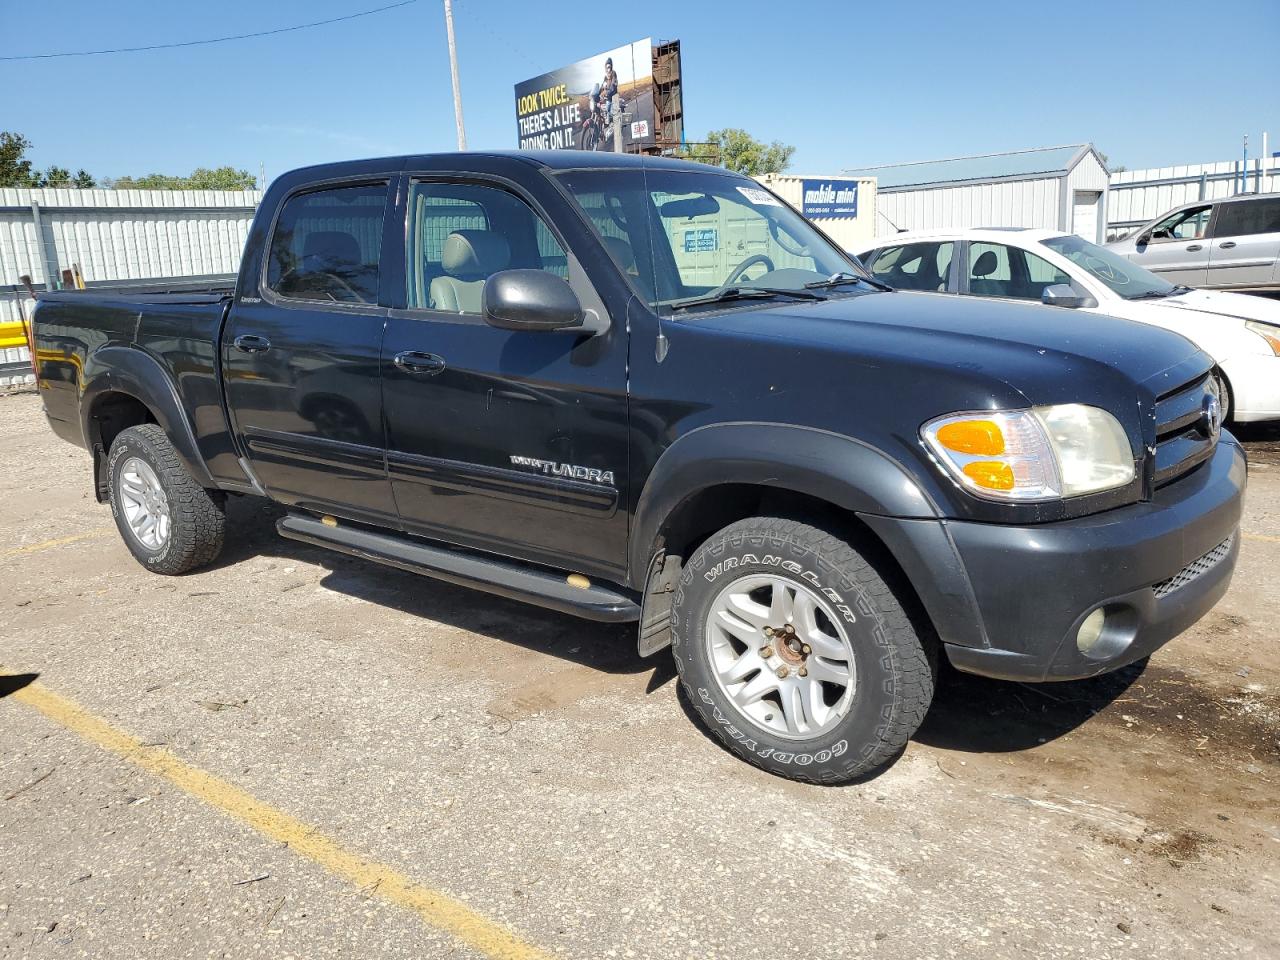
<point>1043,353</point>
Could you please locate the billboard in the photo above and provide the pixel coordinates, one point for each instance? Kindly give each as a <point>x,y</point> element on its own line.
<point>829,198</point>
<point>556,111</point>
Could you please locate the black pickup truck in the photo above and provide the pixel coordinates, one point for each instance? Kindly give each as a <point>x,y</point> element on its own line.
<point>647,390</point>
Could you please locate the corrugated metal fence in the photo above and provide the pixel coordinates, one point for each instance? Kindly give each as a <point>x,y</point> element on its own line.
<point>1137,196</point>
<point>111,235</point>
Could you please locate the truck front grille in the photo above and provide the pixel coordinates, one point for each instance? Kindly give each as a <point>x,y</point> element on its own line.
<point>1184,436</point>
<point>1194,570</point>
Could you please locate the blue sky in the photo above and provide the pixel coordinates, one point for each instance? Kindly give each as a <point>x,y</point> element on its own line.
<point>848,84</point>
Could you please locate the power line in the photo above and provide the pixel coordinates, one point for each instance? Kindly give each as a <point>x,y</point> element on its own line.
<point>198,43</point>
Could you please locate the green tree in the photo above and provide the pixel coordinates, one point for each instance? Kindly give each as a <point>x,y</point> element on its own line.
<point>15,169</point>
<point>201,178</point>
<point>737,150</point>
<point>55,177</point>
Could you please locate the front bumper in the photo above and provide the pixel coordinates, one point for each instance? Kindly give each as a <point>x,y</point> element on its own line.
<point>1157,568</point>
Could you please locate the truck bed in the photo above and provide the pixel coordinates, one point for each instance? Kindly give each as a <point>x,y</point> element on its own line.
<point>153,336</point>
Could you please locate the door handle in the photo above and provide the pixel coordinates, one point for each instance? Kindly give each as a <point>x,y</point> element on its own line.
<point>1194,247</point>
<point>1226,246</point>
<point>413,361</point>
<point>251,344</point>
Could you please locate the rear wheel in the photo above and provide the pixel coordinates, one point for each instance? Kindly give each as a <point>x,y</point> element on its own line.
<point>796,654</point>
<point>168,521</point>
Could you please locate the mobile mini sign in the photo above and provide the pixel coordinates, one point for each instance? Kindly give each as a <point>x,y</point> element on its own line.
<point>825,199</point>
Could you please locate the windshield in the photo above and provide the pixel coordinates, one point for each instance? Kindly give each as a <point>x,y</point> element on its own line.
<point>1127,279</point>
<point>685,235</point>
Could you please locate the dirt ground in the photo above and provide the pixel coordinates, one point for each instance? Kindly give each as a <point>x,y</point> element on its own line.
<point>530,766</point>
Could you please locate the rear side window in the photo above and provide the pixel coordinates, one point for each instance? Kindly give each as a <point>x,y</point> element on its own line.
<point>914,266</point>
<point>1248,217</point>
<point>327,243</point>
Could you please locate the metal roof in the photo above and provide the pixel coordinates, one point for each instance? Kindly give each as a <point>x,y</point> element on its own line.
<point>1020,164</point>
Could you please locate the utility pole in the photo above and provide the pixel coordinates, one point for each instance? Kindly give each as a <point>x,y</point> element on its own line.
<point>453,67</point>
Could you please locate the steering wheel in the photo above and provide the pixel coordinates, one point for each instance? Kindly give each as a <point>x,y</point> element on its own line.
<point>736,273</point>
<point>329,278</point>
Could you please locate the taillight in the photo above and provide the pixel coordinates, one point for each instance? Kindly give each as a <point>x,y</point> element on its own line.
<point>29,328</point>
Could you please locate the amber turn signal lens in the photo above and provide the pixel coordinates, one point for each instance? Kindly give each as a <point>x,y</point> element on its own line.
<point>981,437</point>
<point>991,474</point>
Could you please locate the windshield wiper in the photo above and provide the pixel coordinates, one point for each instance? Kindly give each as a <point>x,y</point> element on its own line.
<point>843,277</point>
<point>1155,294</point>
<point>745,293</point>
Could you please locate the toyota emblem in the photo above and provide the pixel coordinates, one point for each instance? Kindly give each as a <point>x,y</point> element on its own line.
<point>1211,418</point>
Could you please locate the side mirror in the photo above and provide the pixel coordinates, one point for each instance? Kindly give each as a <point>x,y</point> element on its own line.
<point>1065,295</point>
<point>530,300</point>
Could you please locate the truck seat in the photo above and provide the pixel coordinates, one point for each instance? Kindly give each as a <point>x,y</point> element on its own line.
<point>469,258</point>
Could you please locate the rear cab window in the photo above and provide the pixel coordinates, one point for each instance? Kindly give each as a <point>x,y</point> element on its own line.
<point>327,243</point>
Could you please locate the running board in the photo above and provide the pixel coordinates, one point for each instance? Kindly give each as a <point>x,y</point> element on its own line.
<point>507,578</point>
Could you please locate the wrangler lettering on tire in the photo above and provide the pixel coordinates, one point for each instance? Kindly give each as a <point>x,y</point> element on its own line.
<point>796,654</point>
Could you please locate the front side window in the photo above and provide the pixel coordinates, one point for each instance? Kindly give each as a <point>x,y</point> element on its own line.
<point>1246,218</point>
<point>327,243</point>
<point>684,235</point>
<point>1119,273</point>
<point>1187,224</point>
<point>914,266</point>
<point>999,270</point>
<point>460,234</point>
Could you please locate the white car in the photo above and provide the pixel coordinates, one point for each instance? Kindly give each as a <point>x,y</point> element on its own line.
<point>1241,332</point>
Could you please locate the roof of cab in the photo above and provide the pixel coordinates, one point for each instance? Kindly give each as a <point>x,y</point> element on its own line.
<point>551,159</point>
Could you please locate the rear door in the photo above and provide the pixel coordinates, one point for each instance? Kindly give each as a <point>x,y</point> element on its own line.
<point>509,441</point>
<point>300,358</point>
<point>1245,243</point>
<point>1177,248</point>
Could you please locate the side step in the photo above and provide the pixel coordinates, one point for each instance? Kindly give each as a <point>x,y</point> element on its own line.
<point>507,578</point>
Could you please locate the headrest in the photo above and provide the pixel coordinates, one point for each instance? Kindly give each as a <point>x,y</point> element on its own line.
<point>621,251</point>
<point>986,264</point>
<point>332,247</point>
<point>474,253</point>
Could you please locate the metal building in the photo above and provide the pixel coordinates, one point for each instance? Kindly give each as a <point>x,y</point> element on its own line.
<point>1062,188</point>
<point>109,235</point>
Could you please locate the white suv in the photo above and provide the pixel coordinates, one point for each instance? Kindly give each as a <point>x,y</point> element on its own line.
<point>1219,244</point>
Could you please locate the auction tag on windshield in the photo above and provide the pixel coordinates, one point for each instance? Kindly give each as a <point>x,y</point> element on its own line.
<point>762,197</point>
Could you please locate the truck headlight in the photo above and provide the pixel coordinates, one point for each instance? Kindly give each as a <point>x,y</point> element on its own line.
<point>1045,453</point>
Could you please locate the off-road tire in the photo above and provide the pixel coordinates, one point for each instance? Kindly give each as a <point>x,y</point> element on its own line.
<point>197,516</point>
<point>894,665</point>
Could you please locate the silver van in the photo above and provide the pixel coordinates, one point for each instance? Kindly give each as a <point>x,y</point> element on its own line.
<point>1233,243</point>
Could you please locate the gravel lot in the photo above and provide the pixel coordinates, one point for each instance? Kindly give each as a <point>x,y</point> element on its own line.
<point>532,767</point>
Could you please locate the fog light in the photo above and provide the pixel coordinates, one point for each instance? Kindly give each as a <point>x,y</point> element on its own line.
<point>1091,630</point>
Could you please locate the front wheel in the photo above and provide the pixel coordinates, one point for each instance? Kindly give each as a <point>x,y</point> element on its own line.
<point>796,654</point>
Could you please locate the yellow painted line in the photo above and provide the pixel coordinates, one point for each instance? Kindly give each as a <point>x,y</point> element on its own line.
<point>438,909</point>
<point>1265,538</point>
<point>60,542</point>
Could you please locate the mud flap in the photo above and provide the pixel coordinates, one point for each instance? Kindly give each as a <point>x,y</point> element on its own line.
<point>655,611</point>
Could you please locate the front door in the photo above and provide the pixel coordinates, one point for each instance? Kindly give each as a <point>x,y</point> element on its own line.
<point>1246,243</point>
<point>1176,248</point>
<point>300,356</point>
<point>511,442</point>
